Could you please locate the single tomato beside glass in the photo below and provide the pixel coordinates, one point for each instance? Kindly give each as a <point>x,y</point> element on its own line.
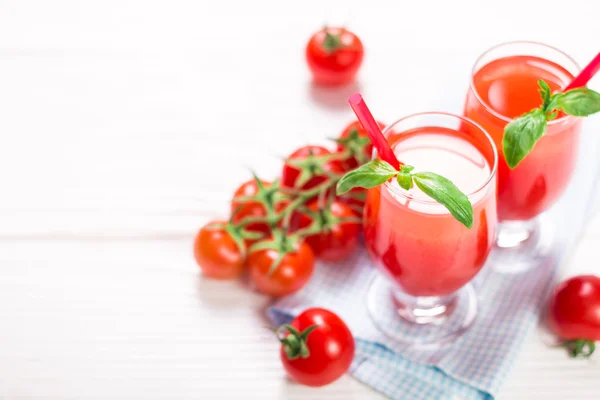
<point>574,313</point>
<point>308,167</point>
<point>334,56</point>
<point>217,251</point>
<point>317,347</point>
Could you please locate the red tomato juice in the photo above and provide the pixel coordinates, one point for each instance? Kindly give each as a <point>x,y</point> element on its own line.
<point>415,240</point>
<point>503,90</point>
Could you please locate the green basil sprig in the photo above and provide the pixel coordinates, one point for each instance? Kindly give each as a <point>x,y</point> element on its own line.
<point>521,135</point>
<point>442,190</point>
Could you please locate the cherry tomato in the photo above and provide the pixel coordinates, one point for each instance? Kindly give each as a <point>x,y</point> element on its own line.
<point>355,138</point>
<point>311,167</point>
<point>334,56</point>
<point>290,275</point>
<point>337,238</point>
<point>217,253</point>
<point>326,352</point>
<point>355,199</point>
<point>254,208</point>
<point>574,311</point>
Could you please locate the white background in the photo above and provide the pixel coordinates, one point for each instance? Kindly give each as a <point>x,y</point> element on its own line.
<point>126,125</point>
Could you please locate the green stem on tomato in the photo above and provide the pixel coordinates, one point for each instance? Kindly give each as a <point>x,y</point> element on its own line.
<point>295,344</point>
<point>580,347</point>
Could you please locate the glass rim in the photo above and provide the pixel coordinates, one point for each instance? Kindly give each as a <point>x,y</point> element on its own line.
<point>514,42</point>
<point>405,193</point>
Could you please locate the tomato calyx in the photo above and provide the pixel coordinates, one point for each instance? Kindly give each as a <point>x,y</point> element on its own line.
<point>331,42</point>
<point>269,197</point>
<point>237,232</point>
<point>312,165</point>
<point>323,219</point>
<point>580,347</point>
<point>295,344</point>
<point>282,242</point>
<point>355,144</point>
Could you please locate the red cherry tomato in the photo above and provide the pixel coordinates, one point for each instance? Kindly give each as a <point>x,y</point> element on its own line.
<point>337,239</point>
<point>290,275</point>
<point>217,253</point>
<point>250,209</point>
<point>329,348</point>
<point>311,167</point>
<point>334,56</point>
<point>355,199</point>
<point>355,138</point>
<point>574,311</point>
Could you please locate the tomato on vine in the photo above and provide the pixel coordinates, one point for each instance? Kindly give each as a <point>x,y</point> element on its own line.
<point>336,229</point>
<point>574,314</point>
<point>219,250</point>
<point>258,200</point>
<point>355,140</point>
<point>316,347</point>
<point>334,56</point>
<point>280,265</point>
<point>310,166</point>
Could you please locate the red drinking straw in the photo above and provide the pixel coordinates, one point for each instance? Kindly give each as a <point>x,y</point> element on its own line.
<point>585,75</point>
<point>370,125</point>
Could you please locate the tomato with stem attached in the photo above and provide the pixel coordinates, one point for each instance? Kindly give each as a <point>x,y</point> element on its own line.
<point>259,200</point>
<point>574,314</point>
<point>219,250</point>
<point>355,199</point>
<point>310,166</point>
<point>280,265</point>
<point>334,56</point>
<point>317,347</point>
<point>336,229</point>
<point>355,140</point>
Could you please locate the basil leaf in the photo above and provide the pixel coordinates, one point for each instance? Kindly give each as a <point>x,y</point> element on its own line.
<point>546,93</point>
<point>521,135</point>
<point>369,175</point>
<point>446,193</point>
<point>579,102</point>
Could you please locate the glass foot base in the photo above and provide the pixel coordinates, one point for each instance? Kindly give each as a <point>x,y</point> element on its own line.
<point>521,245</point>
<point>427,322</point>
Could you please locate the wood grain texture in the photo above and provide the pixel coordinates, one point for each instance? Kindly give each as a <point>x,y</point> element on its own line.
<point>127,124</point>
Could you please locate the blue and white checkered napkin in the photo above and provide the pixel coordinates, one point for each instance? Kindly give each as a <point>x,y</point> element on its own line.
<point>471,368</point>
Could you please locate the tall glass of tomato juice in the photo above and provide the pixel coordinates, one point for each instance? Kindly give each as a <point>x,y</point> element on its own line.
<point>426,257</point>
<point>504,85</point>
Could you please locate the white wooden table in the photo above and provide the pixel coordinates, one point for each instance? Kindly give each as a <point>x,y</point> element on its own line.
<point>126,125</point>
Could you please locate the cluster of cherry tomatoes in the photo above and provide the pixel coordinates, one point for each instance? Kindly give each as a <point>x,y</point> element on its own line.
<point>278,229</point>
<point>276,232</point>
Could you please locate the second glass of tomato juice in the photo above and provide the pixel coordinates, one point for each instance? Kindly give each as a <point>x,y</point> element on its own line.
<point>504,86</point>
<point>427,257</point>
